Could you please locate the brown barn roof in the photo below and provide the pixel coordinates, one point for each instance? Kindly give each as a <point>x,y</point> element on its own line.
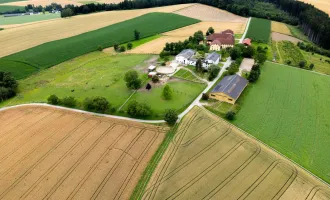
<point>225,37</point>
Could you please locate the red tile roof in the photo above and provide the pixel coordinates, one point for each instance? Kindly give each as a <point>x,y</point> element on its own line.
<point>247,41</point>
<point>225,37</point>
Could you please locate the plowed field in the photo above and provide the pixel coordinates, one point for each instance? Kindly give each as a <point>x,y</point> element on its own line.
<point>211,159</point>
<point>48,153</point>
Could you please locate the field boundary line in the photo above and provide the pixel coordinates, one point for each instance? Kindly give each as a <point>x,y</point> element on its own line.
<point>246,30</point>
<point>271,148</point>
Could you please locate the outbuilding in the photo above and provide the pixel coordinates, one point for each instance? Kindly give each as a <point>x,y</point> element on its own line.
<point>151,68</point>
<point>184,56</point>
<point>211,59</point>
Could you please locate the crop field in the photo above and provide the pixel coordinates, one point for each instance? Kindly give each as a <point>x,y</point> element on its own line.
<point>42,2</point>
<point>52,53</point>
<point>50,153</point>
<point>290,53</point>
<point>12,40</point>
<point>186,75</point>
<point>280,28</point>
<point>210,14</point>
<point>7,8</point>
<point>237,27</point>
<point>259,29</point>
<point>6,1</point>
<point>323,5</point>
<point>211,159</point>
<point>27,19</point>
<point>321,63</point>
<point>288,110</point>
<point>282,37</point>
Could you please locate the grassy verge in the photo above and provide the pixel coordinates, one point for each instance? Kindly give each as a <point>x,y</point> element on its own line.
<point>139,42</point>
<point>28,18</point>
<point>146,176</point>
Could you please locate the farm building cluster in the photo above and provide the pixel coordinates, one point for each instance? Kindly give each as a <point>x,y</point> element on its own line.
<point>218,41</point>
<point>188,57</point>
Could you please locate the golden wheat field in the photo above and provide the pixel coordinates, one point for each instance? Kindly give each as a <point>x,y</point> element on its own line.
<point>280,28</point>
<point>211,159</point>
<point>50,153</point>
<point>323,5</point>
<point>210,14</point>
<point>23,37</point>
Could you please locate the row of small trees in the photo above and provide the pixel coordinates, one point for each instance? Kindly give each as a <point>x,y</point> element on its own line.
<point>8,86</point>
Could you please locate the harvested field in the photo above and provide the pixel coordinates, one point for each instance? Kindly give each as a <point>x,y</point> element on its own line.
<point>323,5</point>
<point>156,46</point>
<point>280,28</point>
<point>282,37</point>
<point>62,2</point>
<point>237,27</point>
<point>49,153</point>
<point>209,158</point>
<point>210,14</point>
<point>12,40</point>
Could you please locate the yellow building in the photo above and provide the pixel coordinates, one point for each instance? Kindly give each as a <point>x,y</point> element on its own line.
<point>229,89</point>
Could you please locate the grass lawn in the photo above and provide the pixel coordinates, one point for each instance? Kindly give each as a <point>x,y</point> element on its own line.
<point>27,18</point>
<point>259,29</point>
<point>288,108</point>
<point>53,53</point>
<point>290,53</point>
<point>139,42</point>
<point>5,8</point>
<point>319,61</point>
<point>187,75</point>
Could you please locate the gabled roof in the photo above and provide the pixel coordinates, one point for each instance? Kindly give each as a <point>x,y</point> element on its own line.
<point>247,41</point>
<point>225,37</point>
<point>187,53</point>
<point>212,56</point>
<point>232,86</point>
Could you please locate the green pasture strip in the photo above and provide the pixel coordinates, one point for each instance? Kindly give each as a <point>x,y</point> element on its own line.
<point>296,32</point>
<point>53,53</point>
<point>139,42</point>
<point>7,8</point>
<point>290,52</point>
<point>28,18</point>
<point>321,63</point>
<point>259,29</point>
<point>288,109</point>
<point>8,1</point>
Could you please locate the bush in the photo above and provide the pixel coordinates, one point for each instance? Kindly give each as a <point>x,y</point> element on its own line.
<point>155,79</point>
<point>254,74</point>
<point>136,109</point>
<point>54,100</point>
<point>97,104</point>
<point>167,92</point>
<point>99,48</point>
<point>132,80</point>
<point>230,115</point>
<point>171,116</point>
<point>67,12</point>
<point>311,66</point>
<point>214,72</point>
<point>129,46</point>
<point>205,96</point>
<point>122,49</point>
<point>235,53</point>
<point>302,64</point>
<point>233,68</point>
<point>8,86</point>
<point>69,101</point>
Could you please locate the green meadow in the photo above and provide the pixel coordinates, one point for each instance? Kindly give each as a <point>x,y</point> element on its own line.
<point>259,29</point>
<point>27,18</point>
<point>7,8</point>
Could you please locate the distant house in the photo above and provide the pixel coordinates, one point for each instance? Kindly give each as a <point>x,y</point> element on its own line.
<point>229,89</point>
<point>218,41</point>
<point>184,56</point>
<point>211,59</point>
<point>247,41</point>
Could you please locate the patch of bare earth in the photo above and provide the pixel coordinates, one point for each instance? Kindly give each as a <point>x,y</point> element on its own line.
<point>281,37</point>
<point>211,159</point>
<point>48,153</point>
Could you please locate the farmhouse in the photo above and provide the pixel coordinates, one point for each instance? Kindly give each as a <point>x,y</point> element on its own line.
<point>229,89</point>
<point>185,56</point>
<point>211,59</point>
<point>218,41</point>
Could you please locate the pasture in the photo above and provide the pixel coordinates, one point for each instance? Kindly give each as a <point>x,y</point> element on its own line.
<point>290,53</point>
<point>52,53</point>
<point>187,75</point>
<point>58,154</point>
<point>288,109</point>
<point>259,29</point>
<point>321,63</point>
<point>209,158</point>
<point>8,8</point>
<point>12,40</point>
<point>27,19</point>
<point>280,28</point>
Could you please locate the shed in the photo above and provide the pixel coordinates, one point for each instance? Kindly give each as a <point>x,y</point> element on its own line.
<point>151,74</point>
<point>151,68</point>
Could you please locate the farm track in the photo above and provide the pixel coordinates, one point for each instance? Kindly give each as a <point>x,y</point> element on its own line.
<point>177,178</point>
<point>61,154</point>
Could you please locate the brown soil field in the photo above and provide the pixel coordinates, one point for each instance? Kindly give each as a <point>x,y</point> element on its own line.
<point>280,28</point>
<point>211,159</point>
<point>50,153</point>
<point>237,27</point>
<point>210,14</point>
<point>156,46</point>
<point>323,5</point>
<point>281,37</point>
<point>23,37</point>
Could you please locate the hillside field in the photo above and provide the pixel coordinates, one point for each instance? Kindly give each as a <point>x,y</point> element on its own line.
<point>7,8</point>
<point>208,158</point>
<point>290,53</point>
<point>98,74</point>
<point>288,108</point>
<point>27,19</point>
<point>59,154</point>
<point>280,28</point>
<point>52,53</point>
<point>259,29</point>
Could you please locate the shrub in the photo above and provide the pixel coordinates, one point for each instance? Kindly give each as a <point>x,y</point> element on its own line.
<point>171,116</point>
<point>129,46</point>
<point>155,79</point>
<point>116,46</point>
<point>67,12</point>
<point>96,104</point>
<point>136,109</point>
<point>205,96</point>
<point>122,49</point>
<point>233,68</point>
<point>132,80</point>
<point>235,53</point>
<point>311,66</point>
<point>136,35</point>
<point>214,71</point>
<point>69,101</point>
<point>230,115</point>
<point>167,92</point>
<point>254,74</point>
<point>302,64</point>
<point>99,48</point>
<point>8,86</point>
<point>54,100</point>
